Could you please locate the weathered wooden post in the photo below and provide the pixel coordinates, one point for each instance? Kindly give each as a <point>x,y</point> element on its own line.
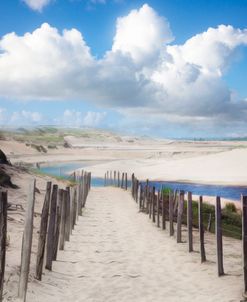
<point>126,182</point>
<point>51,229</point>
<point>163,210</point>
<point>189,221</point>
<point>27,243</point>
<point>122,182</point>
<point>179,217</point>
<point>74,207</point>
<point>171,214</point>
<point>43,232</point>
<point>3,237</point>
<point>111,181</point>
<point>67,219</point>
<point>114,179</point>
<point>63,219</point>
<point>158,209</point>
<point>137,190</point>
<point>57,225</point>
<point>218,231</point>
<point>201,230</point>
<point>153,204</point>
<point>141,197</point>
<point>244,241</point>
<point>118,179</point>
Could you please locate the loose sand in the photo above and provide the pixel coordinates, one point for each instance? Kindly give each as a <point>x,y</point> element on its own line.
<point>117,254</point>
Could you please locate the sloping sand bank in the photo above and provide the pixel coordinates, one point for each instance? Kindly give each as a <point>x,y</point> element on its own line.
<point>117,254</point>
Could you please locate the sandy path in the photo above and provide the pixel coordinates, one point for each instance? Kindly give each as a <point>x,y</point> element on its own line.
<point>116,254</point>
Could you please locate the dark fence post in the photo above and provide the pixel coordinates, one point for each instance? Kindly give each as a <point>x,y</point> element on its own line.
<point>3,237</point>
<point>158,209</point>
<point>51,229</point>
<point>218,231</point>
<point>43,232</point>
<point>201,230</point>
<point>57,225</point>
<point>163,200</point>
<point>63,218</point>
<point>153,204</point>
<point>171,214</point>
<point>189,221</point>
<point>179,217</point>
<point>126,181</point>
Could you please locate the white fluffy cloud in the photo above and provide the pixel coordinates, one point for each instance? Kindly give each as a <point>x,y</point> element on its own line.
<point>142,34</point>
<point>37,5</point>
<point>142,71</point>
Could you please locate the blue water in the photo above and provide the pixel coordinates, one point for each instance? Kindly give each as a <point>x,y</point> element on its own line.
<point>65,170</point>
<point>229,192</point>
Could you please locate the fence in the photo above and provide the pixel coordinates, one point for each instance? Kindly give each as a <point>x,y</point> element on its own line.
<point>165,206</point>
<point>60,212</point>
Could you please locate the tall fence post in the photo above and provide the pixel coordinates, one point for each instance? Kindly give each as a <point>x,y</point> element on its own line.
<point>171,214</point>
<point>67,219</point>
<point>189,221</point>
<point>126,181</point>
<point>163,210</point>
<point>27,243</point>
<point>43,232</point>
<point>57,224</point>
<point>179,217</point>
<point>63,218</point>
<point>218,231</point>
<point>153,204</point>
<point>3,236</point>
<point>51,228</point>
<point>158,209</point>
<point>201,230</point>
<point>244,241</point>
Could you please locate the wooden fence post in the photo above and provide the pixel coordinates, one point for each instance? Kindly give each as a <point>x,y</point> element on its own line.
<point>141,197</point>
<point>118,179</point>
<point>114,179</point>
<point>158,209</point>
<point>57,225</point>
<point>63,218</point>
<point>74,208</point>
<point>163,210</point>
<point>244,241</point>
<point>201,230</point>
<point>218,231</point>
<point>189,221</point>
<point>27,243</point>
<point>3,236</point>
<point>153,204</point>
<point>122,182</point>
<point>51,229</point>
<point>179,217</point>
<point>67,219</point>
<point>171,214</point>
<point>126,182</point>
<point>43,232</point>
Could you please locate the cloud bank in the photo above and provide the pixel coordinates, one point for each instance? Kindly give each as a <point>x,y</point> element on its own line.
<point>143,73</point>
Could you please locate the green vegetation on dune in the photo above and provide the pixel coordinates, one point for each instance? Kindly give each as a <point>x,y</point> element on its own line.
<point>231,218</point>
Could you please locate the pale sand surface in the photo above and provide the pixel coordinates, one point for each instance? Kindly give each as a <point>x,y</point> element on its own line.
<point>117,254</point>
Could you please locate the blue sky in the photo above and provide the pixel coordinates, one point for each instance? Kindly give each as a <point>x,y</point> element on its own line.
<point>117,81</point>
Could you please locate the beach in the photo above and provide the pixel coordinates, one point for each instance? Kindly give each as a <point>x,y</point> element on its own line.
<point>116,253</point>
